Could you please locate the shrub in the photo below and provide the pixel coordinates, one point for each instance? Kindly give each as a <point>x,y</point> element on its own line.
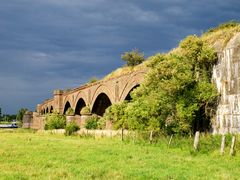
<point>92,122</point>
<point>55,121</point>
<point>102,123</point>
<point>70,111</point>
<point>71,128</point>
<point>85,111</point>
<point>133,58</point>
<point>93,80</point>
<point>117,114</point>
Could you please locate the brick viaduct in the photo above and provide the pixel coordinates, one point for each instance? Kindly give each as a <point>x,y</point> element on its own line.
<point>98,96</point>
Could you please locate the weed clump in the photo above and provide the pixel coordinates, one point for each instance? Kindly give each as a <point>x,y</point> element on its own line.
<point>71,128</point>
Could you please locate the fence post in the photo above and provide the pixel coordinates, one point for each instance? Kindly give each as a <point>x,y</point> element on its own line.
<point>169,143</point>
<point>151,136</point>
<point>196,140</point>
<point>232,150</point>
<point>223,144</point>
<point>122,134</point>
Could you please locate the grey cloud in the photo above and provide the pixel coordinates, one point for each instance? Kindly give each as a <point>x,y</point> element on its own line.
<point>51,44</point>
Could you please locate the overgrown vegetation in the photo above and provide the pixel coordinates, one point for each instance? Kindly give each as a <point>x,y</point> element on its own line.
<point>177,95</point>
<point>227,25</point>
<point>219,37</point>
<point>85,110</point>
<point>70,111</point>
<point>92,122</point>
<point>116,113</point>
<point>55,121</point>
<point>71,128</point>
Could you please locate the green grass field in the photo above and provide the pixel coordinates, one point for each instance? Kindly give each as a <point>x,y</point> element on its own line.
<point>26,155</point>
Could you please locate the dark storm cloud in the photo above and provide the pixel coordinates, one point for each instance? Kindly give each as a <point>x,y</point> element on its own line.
<point>52,44</point>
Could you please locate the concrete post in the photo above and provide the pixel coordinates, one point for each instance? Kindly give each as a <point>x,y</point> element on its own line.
<point>196,140</point>
<point>223,144</point>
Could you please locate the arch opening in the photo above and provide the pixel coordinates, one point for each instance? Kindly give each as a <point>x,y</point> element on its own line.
<point>128,97</point>
<point>80,104</point>
<point>47,110</point>
<point>202,122</point>
<point>67,105</point>
<point>51,109</point>
<point>101,104</point>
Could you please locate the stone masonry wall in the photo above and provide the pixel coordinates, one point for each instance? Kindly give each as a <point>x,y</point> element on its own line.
<point>227,79</point>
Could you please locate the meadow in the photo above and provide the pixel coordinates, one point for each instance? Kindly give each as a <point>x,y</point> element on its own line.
<point>29,155</point>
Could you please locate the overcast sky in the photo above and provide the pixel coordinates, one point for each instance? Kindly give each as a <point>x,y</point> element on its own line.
<point>59,44</point>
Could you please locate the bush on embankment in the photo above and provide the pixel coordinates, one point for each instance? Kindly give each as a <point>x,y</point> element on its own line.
<point>92,122</point>
<point>55,121</point>
<point>71,128</point>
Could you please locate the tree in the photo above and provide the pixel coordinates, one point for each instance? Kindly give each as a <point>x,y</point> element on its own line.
<point>133,58</point>
<point>21,113</point>
<point>177,92</point>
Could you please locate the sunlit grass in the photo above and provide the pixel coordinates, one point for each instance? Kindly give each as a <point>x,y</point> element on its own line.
<point>28,155</point>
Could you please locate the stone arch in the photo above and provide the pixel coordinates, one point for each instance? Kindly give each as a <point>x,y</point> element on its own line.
<point>101,103</point>
<point>47,110</point>
<point>80,104</point>
<point>101,89</point>
<point>130,85</point>
<point>66,106</point>
<point>80,95</point>
<point>128,97</point>
<point>66,100</point>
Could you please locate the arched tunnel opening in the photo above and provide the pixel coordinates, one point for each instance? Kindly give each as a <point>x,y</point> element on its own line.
<point>67,105</point>
<point>128,97</point>
<point>101,104</point>
<point>80,104</point>
<point>202,122</point>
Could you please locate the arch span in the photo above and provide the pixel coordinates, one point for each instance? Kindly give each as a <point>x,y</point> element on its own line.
<point>66,106</point>
<point>47,111</point>
<point>102,89</point>
<point>101,103</point>
<point>51,109</point>
<point>81,95</point>
<point>80,104</point>
<point>125,95</point>
<point>134,82</point>
<point>128,97</point>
